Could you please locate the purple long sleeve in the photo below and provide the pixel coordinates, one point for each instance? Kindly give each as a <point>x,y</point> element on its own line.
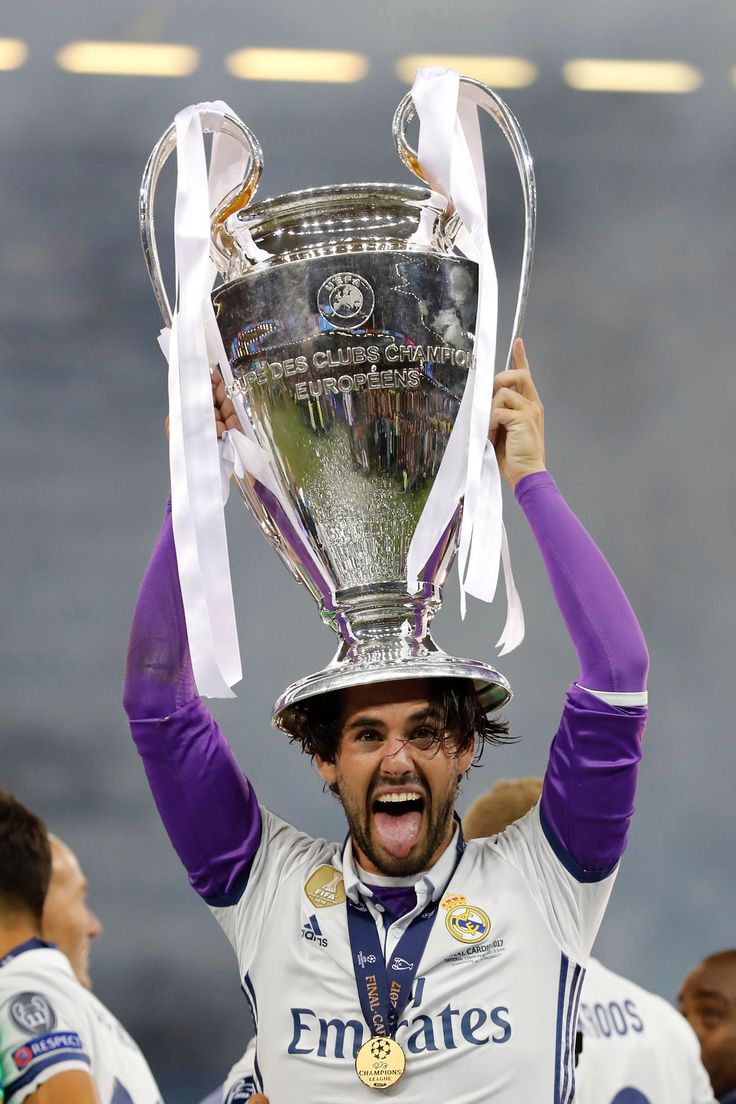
<point>206,803</point>
<point>590,783</point>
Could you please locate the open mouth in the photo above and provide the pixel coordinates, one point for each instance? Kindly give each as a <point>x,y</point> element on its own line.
<point>398,818</point>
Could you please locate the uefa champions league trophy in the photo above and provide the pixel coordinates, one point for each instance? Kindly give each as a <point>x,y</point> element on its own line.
<point>348,321</point>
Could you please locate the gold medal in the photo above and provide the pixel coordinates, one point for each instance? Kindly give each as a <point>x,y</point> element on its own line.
<point>380,1063</point>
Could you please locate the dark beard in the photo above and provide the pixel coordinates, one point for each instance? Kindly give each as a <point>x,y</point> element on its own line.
<point>439,817</point>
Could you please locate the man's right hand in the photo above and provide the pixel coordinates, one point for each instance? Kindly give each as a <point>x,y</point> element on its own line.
<point>225,416</point>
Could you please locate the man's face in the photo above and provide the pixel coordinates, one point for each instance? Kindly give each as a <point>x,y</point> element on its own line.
<point>67,921</point>
<point>396,783</point>
<point>707,1000</point>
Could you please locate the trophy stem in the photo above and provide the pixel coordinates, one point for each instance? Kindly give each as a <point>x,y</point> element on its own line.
<point>374,620</point>
<point>384,636</point>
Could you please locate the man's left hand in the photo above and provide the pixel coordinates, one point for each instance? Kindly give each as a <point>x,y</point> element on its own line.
<point>225,415</point>
<point>517,421</point>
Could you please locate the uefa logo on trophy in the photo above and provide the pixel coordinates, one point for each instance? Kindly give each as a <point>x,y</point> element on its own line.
<point>347,323</point>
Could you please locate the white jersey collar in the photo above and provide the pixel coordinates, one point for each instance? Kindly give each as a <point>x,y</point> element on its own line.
<point>429,884</point>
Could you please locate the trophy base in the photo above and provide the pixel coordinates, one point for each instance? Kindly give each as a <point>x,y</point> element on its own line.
<point>385,637</point>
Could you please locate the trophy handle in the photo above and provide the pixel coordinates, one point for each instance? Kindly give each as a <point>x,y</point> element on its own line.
<point>485,97</point>
<point>236,199</point>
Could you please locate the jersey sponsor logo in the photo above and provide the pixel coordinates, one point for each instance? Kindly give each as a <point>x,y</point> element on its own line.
<point>610,1020</point>
<point>313,933</point>
<point>325,887</point>
<point>450,1029</point>
<point>468,923</point>
<point>46,1044</point>
<point>32,1013</point>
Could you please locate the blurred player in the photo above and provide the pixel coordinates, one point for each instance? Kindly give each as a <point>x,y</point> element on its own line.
<point>58,1043</point>
<point>636,1048</point>
<point>404,945</point>
<point>67,920</point>
<point>708,1001</point>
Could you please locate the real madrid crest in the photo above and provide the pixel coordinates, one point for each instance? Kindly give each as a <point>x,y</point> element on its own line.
<point>325,887</point>
<point>466,923</point>
<point>346,300</point>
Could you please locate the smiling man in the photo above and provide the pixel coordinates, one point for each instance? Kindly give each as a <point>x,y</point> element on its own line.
<point>405,958</point>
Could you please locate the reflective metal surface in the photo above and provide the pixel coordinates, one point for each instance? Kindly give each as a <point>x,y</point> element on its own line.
<point>352,357</point>
<point>502,115</point>
<point>349,326</point>
<point>239,197</point>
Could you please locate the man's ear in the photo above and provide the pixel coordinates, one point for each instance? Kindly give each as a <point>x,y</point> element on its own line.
<point>465,759</point>
<point>327,770</point>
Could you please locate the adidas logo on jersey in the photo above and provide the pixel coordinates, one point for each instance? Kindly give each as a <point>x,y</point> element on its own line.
<point>312,932</point>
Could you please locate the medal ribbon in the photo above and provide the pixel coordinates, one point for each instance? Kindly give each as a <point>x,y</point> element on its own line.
<point>384,988</point>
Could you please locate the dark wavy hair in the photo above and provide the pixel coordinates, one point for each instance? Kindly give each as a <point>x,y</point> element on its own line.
<point>318,721</point>
<point>25,859</point>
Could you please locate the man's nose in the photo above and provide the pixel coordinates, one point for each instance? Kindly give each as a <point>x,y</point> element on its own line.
<point>396,755</point>
<point>94,925</point>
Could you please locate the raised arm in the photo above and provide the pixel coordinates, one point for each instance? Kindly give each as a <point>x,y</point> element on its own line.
<point>589,786</point>
<point>206,803</point>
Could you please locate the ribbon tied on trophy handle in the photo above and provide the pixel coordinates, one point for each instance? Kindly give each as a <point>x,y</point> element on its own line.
<point>479,94</point>
<point>234,200</point>
<point>450,158</point>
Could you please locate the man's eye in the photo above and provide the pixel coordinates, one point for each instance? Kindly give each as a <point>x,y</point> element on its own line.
<point>425,735</point>
<point>711,1017</point>
<point>368,735</point>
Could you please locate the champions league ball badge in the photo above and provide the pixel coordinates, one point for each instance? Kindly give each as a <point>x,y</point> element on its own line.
<point>380,1048</point>
<point>346,300</point>
<point>380,1062</point>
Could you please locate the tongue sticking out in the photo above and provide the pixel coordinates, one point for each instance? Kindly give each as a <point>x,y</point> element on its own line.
<point>398,833</point>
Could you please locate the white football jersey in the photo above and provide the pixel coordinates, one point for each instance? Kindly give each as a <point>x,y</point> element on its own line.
<point>637,1049</point>
<point>493,1009</point>
<point>49,1024</point>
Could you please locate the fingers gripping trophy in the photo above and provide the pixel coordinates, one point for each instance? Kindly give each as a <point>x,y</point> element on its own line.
<point>353,332</point>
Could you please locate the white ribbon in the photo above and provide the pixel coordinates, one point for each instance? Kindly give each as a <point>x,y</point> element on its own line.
<point>196,501</point>
<point>200,466</point>
<point>451,157</point>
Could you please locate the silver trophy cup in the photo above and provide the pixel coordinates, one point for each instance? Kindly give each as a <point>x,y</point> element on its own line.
<point>348,321</point>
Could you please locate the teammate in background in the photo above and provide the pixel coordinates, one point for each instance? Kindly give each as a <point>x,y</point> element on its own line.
<point>58,1043</point>
<point>67,919</point>
<point>708,1001</point>
<point>468,958</point>
<point>636,1048</point>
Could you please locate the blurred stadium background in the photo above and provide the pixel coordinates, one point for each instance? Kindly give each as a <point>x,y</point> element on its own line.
<point>630,329</point>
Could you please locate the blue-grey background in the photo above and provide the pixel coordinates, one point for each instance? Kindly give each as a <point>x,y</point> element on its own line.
<point>631,334</point>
